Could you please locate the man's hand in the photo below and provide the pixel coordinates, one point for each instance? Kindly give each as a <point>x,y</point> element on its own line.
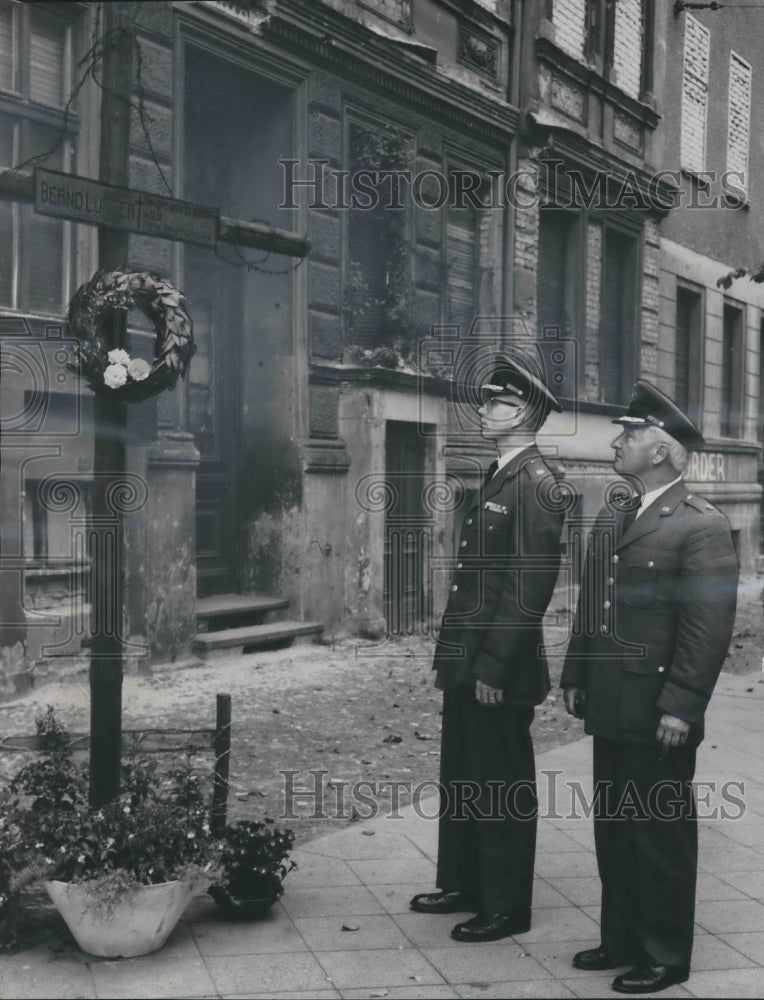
<point>488,695</point>
<point>575,701</point>
<point>672,731</point>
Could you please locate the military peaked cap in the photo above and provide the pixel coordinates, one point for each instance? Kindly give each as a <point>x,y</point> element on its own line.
<point>511,379</point>
<point>649,407</point>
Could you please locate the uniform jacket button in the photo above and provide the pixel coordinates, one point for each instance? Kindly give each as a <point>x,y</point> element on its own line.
<point>615,559</point>
<point>661,670</point>
<point>603,628</point>
<point>454,587</point>
<point>468,522</point>
<point>650,564</point>
<point>611,581</point>
<point>458,565</point>
<point>462,543</point>
<point>606,605</point>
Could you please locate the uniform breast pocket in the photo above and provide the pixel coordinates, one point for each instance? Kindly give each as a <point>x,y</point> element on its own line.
<point>638,586</point>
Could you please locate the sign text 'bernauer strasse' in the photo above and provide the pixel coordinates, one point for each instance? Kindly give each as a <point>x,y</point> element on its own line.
<point>80,199</point>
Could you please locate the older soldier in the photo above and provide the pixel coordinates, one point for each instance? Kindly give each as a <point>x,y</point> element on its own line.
<point>654,622</point>
<point>491,667</point>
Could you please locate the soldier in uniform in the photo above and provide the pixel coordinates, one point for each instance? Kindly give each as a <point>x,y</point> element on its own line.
<point>491,667</point>
<point>654,622</point>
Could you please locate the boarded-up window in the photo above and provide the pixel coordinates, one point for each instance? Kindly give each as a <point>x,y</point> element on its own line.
<point>627,45</point>
<point>569,19</point>
<point>694,94</point>
<point>739,121</point>
<point>617,316</point>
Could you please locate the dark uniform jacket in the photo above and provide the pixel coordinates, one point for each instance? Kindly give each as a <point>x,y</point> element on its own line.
<point>655,616</point>
<point>507,563</point>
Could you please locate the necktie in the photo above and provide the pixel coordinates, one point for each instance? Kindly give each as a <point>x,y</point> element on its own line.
<point>489,472</point>
<point>630,516</point>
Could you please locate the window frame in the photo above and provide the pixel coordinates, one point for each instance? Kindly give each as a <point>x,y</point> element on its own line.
<point>629,355</point>
<point>696,365</point>
<point>357,115</point>
<point>24,112</point>
<point>727,427</point>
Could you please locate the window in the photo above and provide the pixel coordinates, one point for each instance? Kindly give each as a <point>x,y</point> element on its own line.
<point>732,372</point>
<point>35,80</point>
<point>613,35</point>
<point>618,324</point>
<point>377,284</point>
<point>739,118</point>
<point>694,95</point>
<point>556,281</point>
<point>688,352</point>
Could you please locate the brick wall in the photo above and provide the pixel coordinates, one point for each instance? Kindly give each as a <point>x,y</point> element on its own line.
<point>627,46</point>
<point>569,19</point>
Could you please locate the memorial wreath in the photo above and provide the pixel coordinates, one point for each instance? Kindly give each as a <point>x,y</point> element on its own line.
<point>114,371</point>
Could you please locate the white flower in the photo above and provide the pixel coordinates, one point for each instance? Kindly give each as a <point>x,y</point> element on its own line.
<point>119,357</point>
<point>115,375</point>
<point>109,841</point>
<point>81,859</point>
<point>126,810</point>
<point>138,369</point>
<point>39,845</point>
<point>62,848</point>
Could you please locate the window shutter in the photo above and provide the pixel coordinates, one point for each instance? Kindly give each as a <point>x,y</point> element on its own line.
<point>47,50</point>
<point>6,47</point>
<point>739,117</point>
<point>550,281</point>
<point>43,240</point>
<point>462,261</point>
<point>694,94</point>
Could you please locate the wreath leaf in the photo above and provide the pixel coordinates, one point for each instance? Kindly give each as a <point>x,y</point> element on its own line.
<point>162,304</point>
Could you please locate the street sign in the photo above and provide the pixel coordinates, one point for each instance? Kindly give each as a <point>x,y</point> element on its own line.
<point>80,199</point>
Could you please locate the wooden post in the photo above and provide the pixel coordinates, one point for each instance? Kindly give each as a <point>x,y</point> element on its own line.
<point>222,761</point>
<point>107,538</point>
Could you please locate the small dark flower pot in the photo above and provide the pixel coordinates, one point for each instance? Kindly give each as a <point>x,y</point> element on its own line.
<point>241,909</point>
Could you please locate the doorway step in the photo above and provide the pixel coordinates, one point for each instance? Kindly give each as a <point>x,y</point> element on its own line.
<point>235,624</point>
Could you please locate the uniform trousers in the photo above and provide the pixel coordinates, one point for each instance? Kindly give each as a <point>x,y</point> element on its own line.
<point>489,808</point>
<point>646,839</point>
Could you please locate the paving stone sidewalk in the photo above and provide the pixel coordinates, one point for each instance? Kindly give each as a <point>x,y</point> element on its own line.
<point>344,929</point>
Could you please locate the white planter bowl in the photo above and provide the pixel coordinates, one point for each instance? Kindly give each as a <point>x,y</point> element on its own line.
<point>137,925</point>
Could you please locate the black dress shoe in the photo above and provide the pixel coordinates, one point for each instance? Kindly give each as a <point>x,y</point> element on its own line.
<point>595,959</point>
<point>650,978</point>
<point>443,902</point>
<point>491,928</point>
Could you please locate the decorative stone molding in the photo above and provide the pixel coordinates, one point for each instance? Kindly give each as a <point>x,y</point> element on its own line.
<point>479,52</point>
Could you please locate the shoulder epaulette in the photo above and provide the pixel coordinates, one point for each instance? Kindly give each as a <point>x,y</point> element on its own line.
<point>700,504</point>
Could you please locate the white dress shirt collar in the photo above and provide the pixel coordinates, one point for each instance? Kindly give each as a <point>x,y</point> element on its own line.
<point>652,495</point>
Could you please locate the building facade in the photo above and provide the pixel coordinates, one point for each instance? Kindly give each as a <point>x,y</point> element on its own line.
<point>468,174</point>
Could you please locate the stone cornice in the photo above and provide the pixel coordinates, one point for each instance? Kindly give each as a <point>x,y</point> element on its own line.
<point>350,50</point>
<point>379,378</point>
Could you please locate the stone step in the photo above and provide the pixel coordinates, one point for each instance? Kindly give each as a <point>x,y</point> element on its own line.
<point>251,638</point>
<point>236,610</point>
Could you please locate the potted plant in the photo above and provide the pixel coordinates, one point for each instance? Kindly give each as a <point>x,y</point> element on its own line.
<point>120,875</point>
<point>254,862</point>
